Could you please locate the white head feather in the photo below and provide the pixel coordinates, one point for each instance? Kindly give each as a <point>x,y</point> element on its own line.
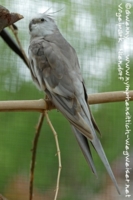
<point>42,25</point>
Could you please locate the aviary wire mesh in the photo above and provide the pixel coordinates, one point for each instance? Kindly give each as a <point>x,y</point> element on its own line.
<point>91,28</point>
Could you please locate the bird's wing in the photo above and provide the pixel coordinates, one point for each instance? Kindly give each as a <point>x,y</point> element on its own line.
<point>63,83</point>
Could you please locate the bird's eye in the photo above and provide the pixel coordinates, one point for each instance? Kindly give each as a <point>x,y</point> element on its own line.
<point>42,20</point>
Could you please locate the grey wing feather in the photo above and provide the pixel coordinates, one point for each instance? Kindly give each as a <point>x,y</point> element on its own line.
<point>94,122</point>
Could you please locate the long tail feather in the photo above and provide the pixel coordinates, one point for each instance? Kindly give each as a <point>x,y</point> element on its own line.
<point>96,142</point>
<point>98,147</point>
<point>84,145</point>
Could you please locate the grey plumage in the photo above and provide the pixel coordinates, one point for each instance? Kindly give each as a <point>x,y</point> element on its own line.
<point>55,70</point>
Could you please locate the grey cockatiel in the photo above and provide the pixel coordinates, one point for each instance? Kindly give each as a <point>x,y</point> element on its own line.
<point>55,69</point>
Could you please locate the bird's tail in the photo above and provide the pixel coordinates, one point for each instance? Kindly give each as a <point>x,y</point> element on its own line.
<point>85,114</point>
<point>83,142</point>
<point>98,147</point>
<point>84,145</point>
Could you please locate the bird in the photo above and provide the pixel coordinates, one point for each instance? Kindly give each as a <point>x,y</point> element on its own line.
<point>55,69</point>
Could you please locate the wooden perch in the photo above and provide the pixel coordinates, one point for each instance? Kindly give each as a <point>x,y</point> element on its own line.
<point>41,105</point>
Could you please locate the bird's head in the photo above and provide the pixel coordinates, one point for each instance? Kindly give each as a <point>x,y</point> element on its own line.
<point>42,25</point>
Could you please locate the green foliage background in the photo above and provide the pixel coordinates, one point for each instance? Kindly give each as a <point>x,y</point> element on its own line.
<point>98,45</point>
